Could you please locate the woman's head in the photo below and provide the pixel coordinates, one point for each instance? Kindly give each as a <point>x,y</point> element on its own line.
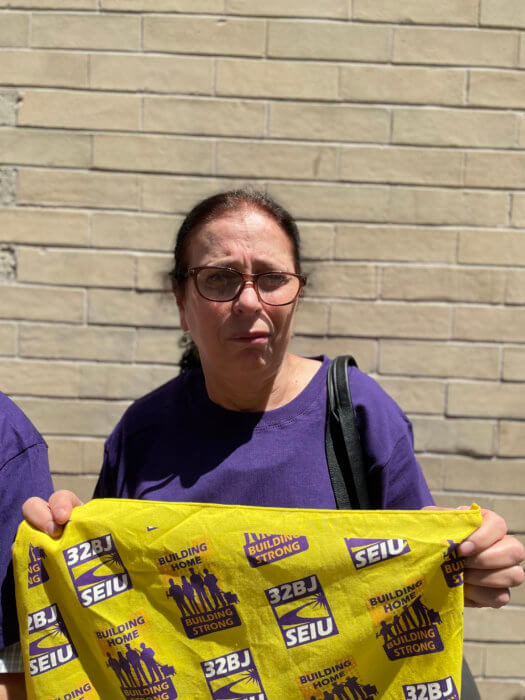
<point>249,232</point>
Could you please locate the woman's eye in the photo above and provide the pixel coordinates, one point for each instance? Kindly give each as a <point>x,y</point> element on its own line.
<point>274,280</point>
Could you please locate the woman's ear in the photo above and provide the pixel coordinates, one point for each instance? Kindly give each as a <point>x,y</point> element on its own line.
<point>178,291</point>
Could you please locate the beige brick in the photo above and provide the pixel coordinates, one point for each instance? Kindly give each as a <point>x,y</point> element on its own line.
<point>40,147</point>
<point>466,47</point>
<point>132,309</point>
<point>159,346</point>
<point>503,690</point>
<point>41,303</point>
<point>14,29</point>
<point>401,165</point>
<point>522,51</point>
<point>213,35</point>
<point>67,417</point>
<point>311,317</point>
<point>335,280</point>
<point>416,395</point>
<point>79,110</point>
<point>43,68</point>
<point>204,116</point>
<point>492,476</point>
<point>122,382</point>
<point>495,170</point>
<point>514,364</point>
<point>8,186</point>
<point>270,159</point>
<point>151,73</point>
<point>85,31</point>
<point>79,268</point>
<point>293,8</point>
<point>364,351</point>
<point>394,320</point>
<point>337,41</point>
<point>180,194</point>
<point>76,342</point>
<point>152,153</point>
<point>75,455</point>
<point>438,359</point>
<point>485,323</point>
<point>403,84</point>
<point>496,247</point>
<point>511,439</point>
<point>136,231</point>
<point>164,5</point>
<point>454,127</point>
<point>84,189</point>
<point>518,210</point>
<point>522,132</point>
<point>512,509</point>
<point>52,4</point>
<point>486,400</point>
<point>505,625</point>
<point>503,13</point>
<point>515,293</point>
<point>453,435</point>
<point>501,89</point>
<point>417,12</point>
<point>317,241</point>
<point>433,470</point>
<point>50,227</point>
<point>474,653</point>
<point>35,378</point>
<point>82,486</point>
<point>358,242</point>
<point>447,499</point>
<point>289,79</point>
<point>153,272</point>
<point>8,338</point>
<point>8,107</point>
<point>443,284</point>
<point>346,122</point>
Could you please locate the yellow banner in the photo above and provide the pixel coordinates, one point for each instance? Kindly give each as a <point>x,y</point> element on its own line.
<point>142,599</point>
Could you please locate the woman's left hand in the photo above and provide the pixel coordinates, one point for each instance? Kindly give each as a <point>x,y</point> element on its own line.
<point>493,562</point>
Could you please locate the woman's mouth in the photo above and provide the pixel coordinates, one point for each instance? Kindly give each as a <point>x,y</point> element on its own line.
<point>253,338</point>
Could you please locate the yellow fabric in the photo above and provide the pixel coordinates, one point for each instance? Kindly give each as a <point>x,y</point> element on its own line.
<point>331,604</point>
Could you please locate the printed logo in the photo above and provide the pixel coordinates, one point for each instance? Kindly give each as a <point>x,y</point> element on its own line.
<point>233,677</point>
<point>204,606</point>
<point>36,571</point>
<point>302,611</point>
<point>84,691</point>
<point>261,548</point>
<point>437,690</point>
<point>194,555</point>
<point>50,645</point>
<point>129,653</point>
<point>453,566</point>
<point>407,625</point>
<point>337,681</point>
<point>367,552</point>
<point>96,570</point>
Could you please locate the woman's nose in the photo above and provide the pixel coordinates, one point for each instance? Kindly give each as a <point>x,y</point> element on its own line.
<point>248,299</point>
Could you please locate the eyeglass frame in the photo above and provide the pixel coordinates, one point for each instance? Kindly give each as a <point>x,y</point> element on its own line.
<point>246,277</point>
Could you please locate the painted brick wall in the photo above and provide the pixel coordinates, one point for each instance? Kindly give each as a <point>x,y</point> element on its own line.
<point>393,129</point>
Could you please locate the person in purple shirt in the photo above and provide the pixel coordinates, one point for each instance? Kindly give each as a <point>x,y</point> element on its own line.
<point>24,472</point>
<point>244,421</point>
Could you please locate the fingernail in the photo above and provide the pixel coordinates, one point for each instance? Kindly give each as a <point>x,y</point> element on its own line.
<point>53,529</point>
<point>466,548</point>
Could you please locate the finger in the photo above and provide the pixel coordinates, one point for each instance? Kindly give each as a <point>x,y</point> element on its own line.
<point>480,596</point>
<point>38,514</point>
<point>61,504</point>
<point>497,578</point>
<point>506,553</point>
<point>492,529</point>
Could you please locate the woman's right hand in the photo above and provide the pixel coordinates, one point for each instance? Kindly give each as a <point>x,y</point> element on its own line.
<point>50,517</point>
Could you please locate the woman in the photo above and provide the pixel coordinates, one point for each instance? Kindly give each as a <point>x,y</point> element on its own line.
<point>248,428</point>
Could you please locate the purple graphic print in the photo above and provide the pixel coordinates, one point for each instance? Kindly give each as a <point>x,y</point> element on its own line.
<point>204,606</point>
<point>50,645</point>
<point>36,571</point>
<point>302,611</point>
<point>443,689</point>
<point>233,676</point>
<point>261,548</point>
<point>96,570</point>
<point>339,681</point>
<point>453,566</point>
<point>140,674</point>
<point>366,552</point>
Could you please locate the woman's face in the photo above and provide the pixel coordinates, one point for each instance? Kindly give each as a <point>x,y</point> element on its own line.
<point>244,334</point>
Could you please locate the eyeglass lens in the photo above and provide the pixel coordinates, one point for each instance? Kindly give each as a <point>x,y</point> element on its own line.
<point>275,288</point>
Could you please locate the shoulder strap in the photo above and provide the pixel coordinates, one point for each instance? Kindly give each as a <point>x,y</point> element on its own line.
<point>344,454</point>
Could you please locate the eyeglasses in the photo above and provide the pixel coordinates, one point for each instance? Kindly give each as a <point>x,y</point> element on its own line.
<point>226,284</point>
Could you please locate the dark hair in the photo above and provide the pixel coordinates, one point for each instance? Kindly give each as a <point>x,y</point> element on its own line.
<point>212,208</point>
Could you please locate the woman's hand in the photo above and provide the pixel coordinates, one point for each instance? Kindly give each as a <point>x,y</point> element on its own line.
<point>50,517</point>
<point>493,561</point>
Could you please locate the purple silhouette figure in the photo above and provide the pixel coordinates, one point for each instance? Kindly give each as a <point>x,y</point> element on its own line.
<point>327,696</point>
<point>188,591</point>
<point>353,686</point>
<point>126,668</point>
<point>407,618</point>
<point>339,691</point>
<point>133,656</point>
<point>115,667</point>
<point>422,612</point>
<point>175,592</point>
<point>386,631</point>
<point>211,581</point>
<point>398,629</point>
<point>197,582</point>
<point>147,655</point>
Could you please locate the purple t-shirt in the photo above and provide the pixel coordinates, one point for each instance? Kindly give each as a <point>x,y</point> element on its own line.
<point>24,472</point>
<point>175,444</point>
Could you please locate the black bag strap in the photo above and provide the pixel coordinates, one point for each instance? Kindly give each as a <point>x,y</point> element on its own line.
<point>344,453</point>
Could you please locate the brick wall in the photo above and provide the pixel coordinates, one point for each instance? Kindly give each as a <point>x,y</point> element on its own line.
<point>393,129</point>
